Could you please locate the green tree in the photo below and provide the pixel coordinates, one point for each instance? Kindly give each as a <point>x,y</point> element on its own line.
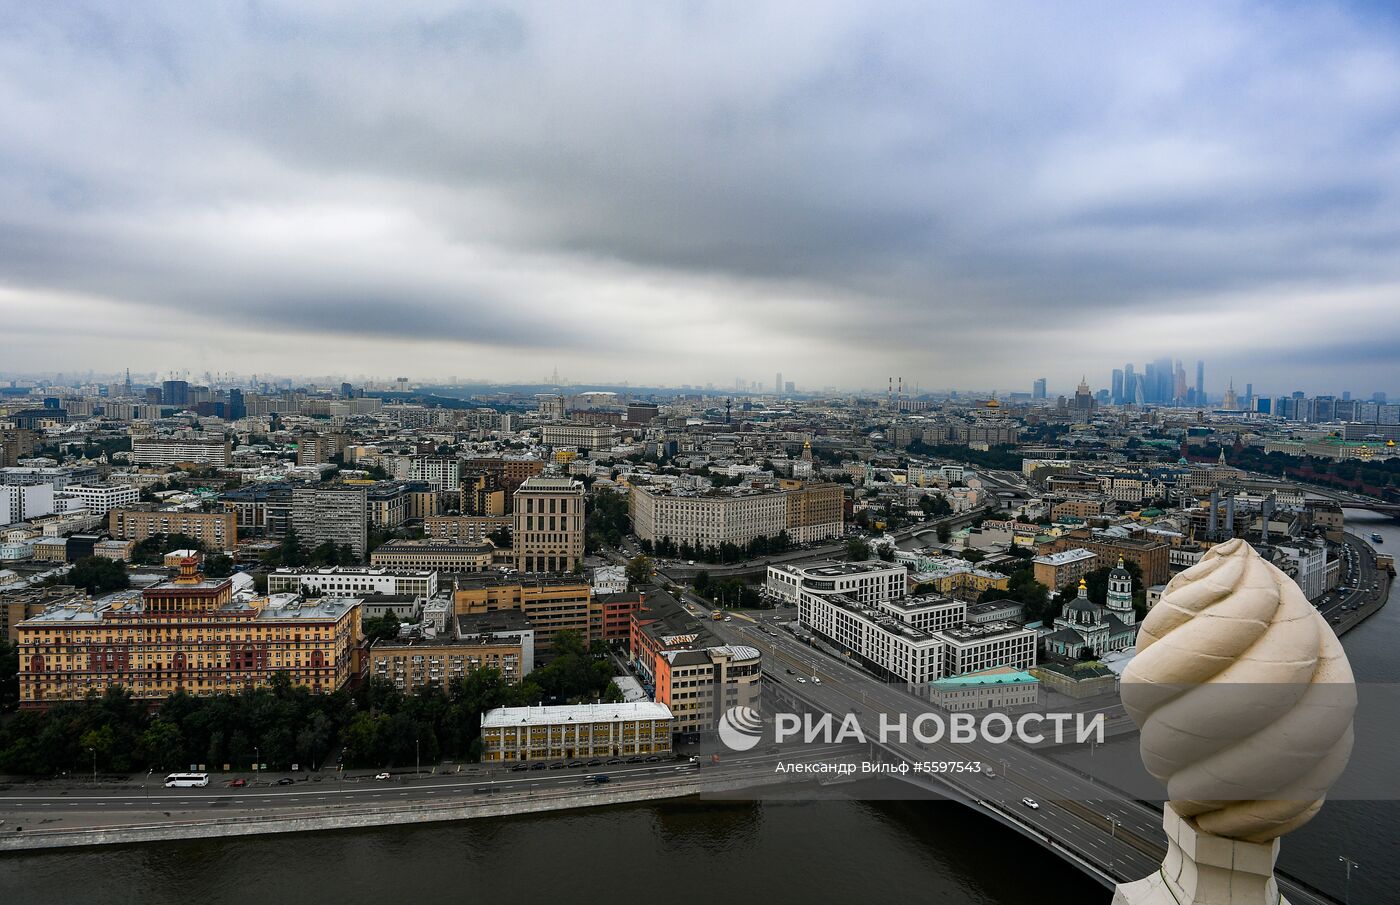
<point>383,628</point>
<point>97,575</point>
<point>9,675</point>
<point>218,565</point>
<point>164,745</point>
<point>638,570</point>
<point>857,550</point>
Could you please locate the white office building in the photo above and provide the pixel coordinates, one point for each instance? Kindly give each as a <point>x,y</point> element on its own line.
<point>871,581</point>
<point>350,581</point>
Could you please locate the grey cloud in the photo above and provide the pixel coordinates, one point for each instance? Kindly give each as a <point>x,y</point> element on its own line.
<point>928,176</point>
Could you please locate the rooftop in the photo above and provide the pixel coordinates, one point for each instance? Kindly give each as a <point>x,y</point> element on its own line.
<point>574,713</point>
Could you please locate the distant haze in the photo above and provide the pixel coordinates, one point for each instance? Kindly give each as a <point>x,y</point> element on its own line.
<point>962,194</point>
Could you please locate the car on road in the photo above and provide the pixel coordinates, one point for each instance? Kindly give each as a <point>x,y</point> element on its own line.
<point>816,680</point>
<point>789,672</point>
<point>636,759</point>
<point>654,759</point>
<point>615,760</point>
<point>538,766</point>
<point>600,779</point>
<point>381,776</point>
<point>801,681</point>
<point>989,773</point>
<point>558,765</point>
<point>575,763</point>
<point>237,783</point>
<point>519,768</point>
<point>1031,803</point>
<point>595,762</point>
<point>284,781</point>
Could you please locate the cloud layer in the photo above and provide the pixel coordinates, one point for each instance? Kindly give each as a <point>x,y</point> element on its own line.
<point>965,194</point>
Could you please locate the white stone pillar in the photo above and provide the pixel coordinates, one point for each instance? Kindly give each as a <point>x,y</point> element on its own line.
<point>1201,869</point>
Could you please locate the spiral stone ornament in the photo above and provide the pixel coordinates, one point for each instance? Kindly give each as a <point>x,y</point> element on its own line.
<point>1243,695</point>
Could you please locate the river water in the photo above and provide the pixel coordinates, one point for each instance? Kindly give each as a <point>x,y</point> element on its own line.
<point>775,852</point>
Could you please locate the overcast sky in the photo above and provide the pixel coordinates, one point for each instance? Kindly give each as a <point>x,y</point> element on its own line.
<point>965,194</point>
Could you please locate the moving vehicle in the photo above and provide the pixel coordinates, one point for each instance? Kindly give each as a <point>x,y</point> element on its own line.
<point>801,681</point>
<point>600,779</point>
<point>186,780</point>
<point>381,776</point>
<point>1376,538</point>
<point>816,680</point>
<point>1031,803</point>
<point>237,783</point>
<point>716,615</point>
<point>284,781</point>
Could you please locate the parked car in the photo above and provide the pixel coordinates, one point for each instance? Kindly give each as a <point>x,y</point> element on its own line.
<point>538,766</point>
<point>575,763</point>
<point>595,762</point>
<point>653,759</point>
<point>519,768</point>
<point>615,760</point>
<point>636,759</point>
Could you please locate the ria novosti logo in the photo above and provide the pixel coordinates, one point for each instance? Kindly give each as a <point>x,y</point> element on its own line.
<point>740,728</point>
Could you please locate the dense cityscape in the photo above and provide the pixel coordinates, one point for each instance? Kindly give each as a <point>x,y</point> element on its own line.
<point>263,583</point>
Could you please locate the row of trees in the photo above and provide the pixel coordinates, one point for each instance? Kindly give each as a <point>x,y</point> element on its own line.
<point>95,574</point>
<point>724,553</point>
<point>606,521</point>
<point>727,592</point>
<point>291,552</point>
<point>281,724</point>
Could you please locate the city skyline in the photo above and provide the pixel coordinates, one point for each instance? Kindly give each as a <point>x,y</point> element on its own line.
<point>506,191</point>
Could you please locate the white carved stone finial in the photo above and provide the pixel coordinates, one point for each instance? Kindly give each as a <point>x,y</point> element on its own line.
<point>1245,701</point>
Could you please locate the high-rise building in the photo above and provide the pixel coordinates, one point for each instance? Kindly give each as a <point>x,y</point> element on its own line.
<point>778,384</point>
<point>1200,382</point>
<point>175,392</point>
<point>1039,390</point>
<point>236,408</point>
<point>336,514</point>
<point>1116,393</point>
<point>548,534</point>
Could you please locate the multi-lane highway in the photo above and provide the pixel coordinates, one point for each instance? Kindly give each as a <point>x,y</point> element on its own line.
<point>48,809</point>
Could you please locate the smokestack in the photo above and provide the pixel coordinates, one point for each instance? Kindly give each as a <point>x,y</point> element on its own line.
<point>1268,514</point>
<point>1230,516</point>
<point>1213,525</point>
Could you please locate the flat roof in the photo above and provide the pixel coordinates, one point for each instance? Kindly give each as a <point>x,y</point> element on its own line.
<point>1065,556</point>
<point>502,717</point>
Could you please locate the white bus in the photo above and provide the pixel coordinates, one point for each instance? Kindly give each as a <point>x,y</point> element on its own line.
<point>186,780</point>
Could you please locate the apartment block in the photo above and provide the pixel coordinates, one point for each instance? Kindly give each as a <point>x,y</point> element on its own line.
<point>218,530</point>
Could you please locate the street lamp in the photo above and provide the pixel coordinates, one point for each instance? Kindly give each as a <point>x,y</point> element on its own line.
<point>257,760</point>
<point>1350,864</point>
<point>1113,824</point>
<point>416,759</point>
<point>93,751</point>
